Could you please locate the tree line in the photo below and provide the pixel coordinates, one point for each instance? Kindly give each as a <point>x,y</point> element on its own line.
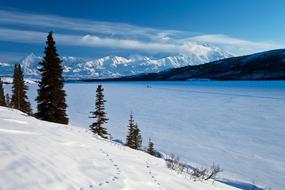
<point>51,103</point>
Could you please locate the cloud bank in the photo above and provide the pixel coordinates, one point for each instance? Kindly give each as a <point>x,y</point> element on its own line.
<point>82,32</point>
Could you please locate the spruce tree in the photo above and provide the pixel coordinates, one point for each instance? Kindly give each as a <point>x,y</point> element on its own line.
<point>8,101</point>
<point>19,98</point>
<point>137,137</point>
<point>51,95</point>
<point>150,148</point>
<point>134,139</point>
<point>99,114</point>
<point>130,137</point>
<point>2,96</point>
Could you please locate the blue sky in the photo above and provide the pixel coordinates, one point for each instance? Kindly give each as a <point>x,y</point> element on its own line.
<point>92,29</point>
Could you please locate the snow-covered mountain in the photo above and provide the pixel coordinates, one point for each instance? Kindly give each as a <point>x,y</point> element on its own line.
<point>116,66</point>
<point>268,65</point>
<point>41,155</point>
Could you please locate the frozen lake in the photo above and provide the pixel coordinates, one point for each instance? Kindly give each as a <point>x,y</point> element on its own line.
<point>238,125</point>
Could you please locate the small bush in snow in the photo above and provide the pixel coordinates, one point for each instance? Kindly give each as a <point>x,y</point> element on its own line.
<point>206,173</point>
<point>199,173</point>
<point>174,163</point>
<point>213,171</point>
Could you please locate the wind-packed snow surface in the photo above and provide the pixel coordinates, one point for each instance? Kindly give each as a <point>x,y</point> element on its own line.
<point>238,125</point>
<point>38,155</point>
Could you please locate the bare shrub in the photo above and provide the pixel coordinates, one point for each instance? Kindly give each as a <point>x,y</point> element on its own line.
<point>173,162</point>
<point>169,164</point>
<point>213,172</point>
<point>199,173</point>
<point>182,167</point>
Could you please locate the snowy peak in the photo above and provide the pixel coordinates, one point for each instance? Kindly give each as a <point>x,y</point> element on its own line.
<point>115,66</point>
<point>269,65</point>
<point>30,64</point>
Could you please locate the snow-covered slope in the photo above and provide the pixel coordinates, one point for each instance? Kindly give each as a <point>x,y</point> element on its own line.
<point>115,66</point>
<point>39,155</point>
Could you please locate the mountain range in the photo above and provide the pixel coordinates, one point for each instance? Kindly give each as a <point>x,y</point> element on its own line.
<point>269,65</point>
<point>116,66</point>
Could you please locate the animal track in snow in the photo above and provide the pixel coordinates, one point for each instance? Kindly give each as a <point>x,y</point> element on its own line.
<point>115,177</point>
<point>155,181</point>
<point>107,181</point>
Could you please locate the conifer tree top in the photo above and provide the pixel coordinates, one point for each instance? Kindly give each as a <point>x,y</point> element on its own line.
<point>50,50</point>
<point>99,114</point>
<point>51,95</point>
<point>50,40</point>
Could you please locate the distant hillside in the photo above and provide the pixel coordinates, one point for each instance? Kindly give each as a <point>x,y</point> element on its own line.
<point>269,65</point>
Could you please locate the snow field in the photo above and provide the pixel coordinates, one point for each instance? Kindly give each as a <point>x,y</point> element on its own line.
<point>236,124</point>
<point>40,155</point>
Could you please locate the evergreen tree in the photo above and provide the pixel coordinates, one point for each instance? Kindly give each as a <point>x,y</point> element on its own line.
<point>130,137</point>
<point>99,114</point>
<point>2,96</point>
<point>150,148</point>
<point>134,139</point>
<point>137,137</point>
<point>51,95</point>
<point>19,98</point>
<point>8,101</point>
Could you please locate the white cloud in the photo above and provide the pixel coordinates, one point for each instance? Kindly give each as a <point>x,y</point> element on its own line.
<point>239,46</point>
<point>185,47</point>
<point>127,44</point>
<point>22,36</point>
<point>52,22</point>
<point>82,32</point>
<point>96,41</point>
<point>222,39</point>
